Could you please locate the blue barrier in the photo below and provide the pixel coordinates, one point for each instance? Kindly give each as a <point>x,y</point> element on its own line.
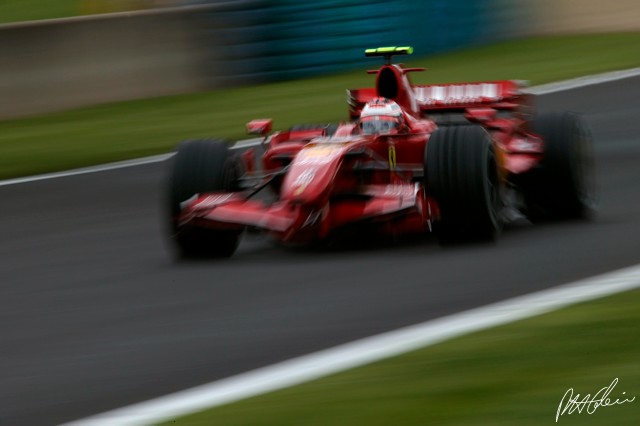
<point>263,40</point>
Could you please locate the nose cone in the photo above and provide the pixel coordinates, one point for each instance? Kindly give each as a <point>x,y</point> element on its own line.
<point>312,173</point>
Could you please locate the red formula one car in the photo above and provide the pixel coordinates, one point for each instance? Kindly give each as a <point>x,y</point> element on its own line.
<point>452,159</point>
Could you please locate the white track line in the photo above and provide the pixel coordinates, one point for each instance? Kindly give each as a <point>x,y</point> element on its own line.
<point>364,351</point>
<point>538,90</point>
<point>114,166</point>
<point>86,170</point>
<point>584,81</point>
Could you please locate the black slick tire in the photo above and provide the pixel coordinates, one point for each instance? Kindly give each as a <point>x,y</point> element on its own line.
<point>201,166</point>
<point>461,173</point>
<point>563,185</point>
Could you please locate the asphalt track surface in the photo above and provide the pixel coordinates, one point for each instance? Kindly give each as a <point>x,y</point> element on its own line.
<point>96,314</point>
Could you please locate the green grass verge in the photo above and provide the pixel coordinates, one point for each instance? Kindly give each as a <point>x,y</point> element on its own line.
<point>132,129</point>
<point>514,374</point>
<point>32,10</point>
<point>12,11</point>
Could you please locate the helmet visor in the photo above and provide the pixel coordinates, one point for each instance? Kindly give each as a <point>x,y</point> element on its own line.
<point>379,125</point>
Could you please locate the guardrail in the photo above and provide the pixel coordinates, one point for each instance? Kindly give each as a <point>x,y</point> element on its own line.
<point>66,63</point>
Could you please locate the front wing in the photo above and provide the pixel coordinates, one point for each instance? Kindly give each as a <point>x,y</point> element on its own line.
<point>290,221</point>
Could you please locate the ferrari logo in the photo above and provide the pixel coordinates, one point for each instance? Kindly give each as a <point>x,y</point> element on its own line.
<point>392,157</point>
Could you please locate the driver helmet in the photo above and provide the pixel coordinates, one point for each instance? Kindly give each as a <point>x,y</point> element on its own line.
<point>381,116</point>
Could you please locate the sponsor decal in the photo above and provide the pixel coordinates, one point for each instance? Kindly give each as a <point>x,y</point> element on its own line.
<point>400,190</point>
<point>302,181</point>
<point>459,93</point>
<point>526,145</point>
<point>392,157</point>
<point>319,154</point>
<point>213,200</point>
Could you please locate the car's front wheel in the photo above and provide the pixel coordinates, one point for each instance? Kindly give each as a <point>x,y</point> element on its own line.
<point>461,173</point>
<point>201,166</point>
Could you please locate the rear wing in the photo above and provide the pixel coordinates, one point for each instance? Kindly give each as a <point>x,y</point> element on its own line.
<point>388,52</point>
<point>503,95</point>
<point>506,94</point>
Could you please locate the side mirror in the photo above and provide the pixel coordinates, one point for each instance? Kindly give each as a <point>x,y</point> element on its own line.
<point>260,127</point>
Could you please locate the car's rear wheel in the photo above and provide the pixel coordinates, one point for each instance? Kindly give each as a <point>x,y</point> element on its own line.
<point>563,186</point>
<point>201,166</point>
<point>461,173</point>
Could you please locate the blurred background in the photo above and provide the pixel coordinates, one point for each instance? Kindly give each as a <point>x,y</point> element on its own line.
<point>100,51</point>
